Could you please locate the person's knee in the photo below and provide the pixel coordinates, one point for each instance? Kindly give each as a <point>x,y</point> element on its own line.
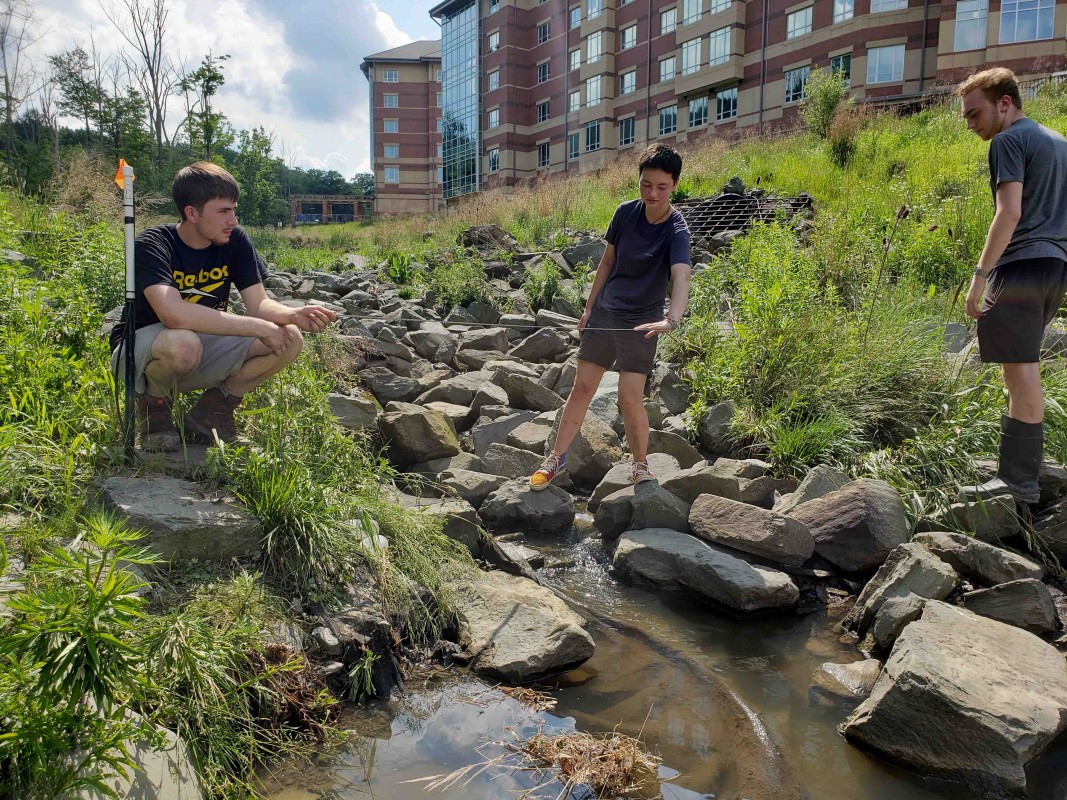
<point>296,346</point>
<point>178,351</point>
<point>631,403</point>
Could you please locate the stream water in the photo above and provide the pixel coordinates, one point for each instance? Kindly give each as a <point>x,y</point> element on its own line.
<point>722,700</point>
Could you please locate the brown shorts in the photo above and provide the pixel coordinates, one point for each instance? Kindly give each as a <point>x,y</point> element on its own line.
<point>622,350</point>
<point>1021,299</point>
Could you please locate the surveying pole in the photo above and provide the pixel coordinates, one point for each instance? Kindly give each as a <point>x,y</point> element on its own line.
<point>125,180</point>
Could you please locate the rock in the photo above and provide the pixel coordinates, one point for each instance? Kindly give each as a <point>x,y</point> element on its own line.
<point>989,520</point>
<point>387,386</point>
<point>325,641</point>
<point>676,561</point>
<point>674,445</point>
<point>485,339</point>
<point>484,313</point>
<point>671,390</point>
<point>561,322</point>
<point>501,367</point>
<point>618,477</point>
<point>532,436</point>
<point>461,523</point>
<point>758,491</point>
<point>544,345</point>
<point>592,454</point>
<point>909,568</point>
<point>655,507</point>
<point>614,512</point>
<point>894,615</point>
<point>523,554</point>
<point>496,431</point>
<point>856,527</point>
<point>526,393</point>
<point>417,434</point>
<point>748,469</point>
<point>459,390</point>
<point>515,507</point>
<point>819,482</point>
<point>1024,603</point>
<point>473,487</point>
<point>516,630</point>
<point>965,699</point>
<point>361,627</point>
<point>434,345</point>
<point>436,466</point>
<point>489,395</point>
<point>986,564</point>
<point>181,519</point>
<point>690,483</point>
<point>488,238</point>
<point>751,530</point>
<point>843,685</point>
<point>714,428</point>
<point>357,413</point>
<point>513,462</point>
<point>457,415</point>
<point>581,254</point>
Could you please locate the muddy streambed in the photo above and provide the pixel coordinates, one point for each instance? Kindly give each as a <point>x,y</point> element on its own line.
<point>723,701</point>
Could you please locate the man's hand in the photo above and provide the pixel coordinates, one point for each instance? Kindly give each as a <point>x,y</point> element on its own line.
<point>277,338</point>
<point>975,295</point>
<point>655,328</point>
<point>312,318</point>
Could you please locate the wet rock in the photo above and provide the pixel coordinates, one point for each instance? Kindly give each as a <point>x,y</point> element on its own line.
<point>965,699</point>
<point>516,630</point>
<point>618,477</point>
<point>751,530</point>
<point>527,393</point>
<point>910,568</point>
<point>181,519</point>
<point>417,434</point>
<point>496,431</point>
<point>986,564</point>
<point>690,483</point>
<point>894,615</point>
<point>674,445</point>
<point>473,487</point>
<point>714,428</point>
<point>843,685</point>
<point>819,482</point>
<point>989,520</point>
<point>533,559</point>
<point>356,412</point>
<point>1024,603</point>
<point>515,507</point>
<point>856,527</point>
<point>671,560</point>
<point>544,345</point>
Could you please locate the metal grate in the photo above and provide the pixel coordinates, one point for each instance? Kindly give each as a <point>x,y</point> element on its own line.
<point>707,216</point>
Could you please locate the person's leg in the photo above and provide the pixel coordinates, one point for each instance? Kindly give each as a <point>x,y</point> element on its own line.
<point>175,353</point>
<point>1026,401</point>
<point>634,414</point>
<point>262,364</point>
<point>586,380</point>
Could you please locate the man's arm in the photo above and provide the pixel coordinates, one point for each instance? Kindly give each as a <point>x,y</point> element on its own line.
<point>1009,210</point>
<point>310,318</point>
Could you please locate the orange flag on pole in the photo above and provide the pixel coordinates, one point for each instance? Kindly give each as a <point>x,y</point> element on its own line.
<point>118,175</point>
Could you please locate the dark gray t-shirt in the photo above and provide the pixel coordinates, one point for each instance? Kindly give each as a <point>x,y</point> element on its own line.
<point>644,253</point>
<point>1036,156</point>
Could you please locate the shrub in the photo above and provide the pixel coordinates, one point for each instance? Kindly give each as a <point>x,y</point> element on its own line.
<point>841,135</point>
<point>827,91</point>
<point>543,283</point>
<point>459,283</point>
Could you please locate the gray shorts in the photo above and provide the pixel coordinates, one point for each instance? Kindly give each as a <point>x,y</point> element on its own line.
<point>622,350</point>
<point>1021,299</point>
<point>222,357</point>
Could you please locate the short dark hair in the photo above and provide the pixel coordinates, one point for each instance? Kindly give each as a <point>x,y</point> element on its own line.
<point>198,183</point>
<point>661,156</point>
<point>995,83</point>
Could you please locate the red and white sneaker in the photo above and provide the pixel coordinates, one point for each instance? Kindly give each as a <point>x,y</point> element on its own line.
<point>640,472</point>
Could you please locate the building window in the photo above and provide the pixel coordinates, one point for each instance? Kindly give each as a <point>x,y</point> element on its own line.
<point>494,41</point>
<point>494,80</point>
<point>698,112</point>
<point>885,64</point>
<point>542,111</point>
<point>391,101</point>
<point>690,11</point>
<point>542,72</point>
<point>390,76</point>
<point>626,132</point>
<point>575,101</point>
<point>726,104</point>
<point>493,5</point>
<point>842,65</point>
<point>593,47</point>
<point>666,69</point>
<point>440,151</point>
<point>542,33</point>
<point>440,126</point>
<point>392,126</point>
<point>593,8</point>
<point>392,174</point>
<point>668,120</point>
<point>719,5</point>
<point>437,76</point>
<point>719,47</point>
<point>628,82</point>
<point>887,5</point>
<point>796,84</point>
<point>1026,20</point>
<point>574,145</point>
<point>668,20</point>
<point>576,16</point>
<point>592,136</point>
<point>392,151</point>
<point>494,160</point>
<point>542,154</point>
<point>494,118</point>
<point>628,38</point>
<point>844,10</point>
<point>441,175</point>
<point>798,23</point>
<point>691,56</point>
<point>576,59</point>
<point>971,18</point>
<point>438,99</point>
<point>592,91</point>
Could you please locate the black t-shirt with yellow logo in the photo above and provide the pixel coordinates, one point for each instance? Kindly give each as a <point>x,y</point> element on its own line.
<point>202,276</point>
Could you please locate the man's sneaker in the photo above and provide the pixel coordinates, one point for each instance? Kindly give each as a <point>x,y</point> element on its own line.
<point>212,412</point>
<point>640,472</point>
<point>156,424</point>
<point>552,466</point>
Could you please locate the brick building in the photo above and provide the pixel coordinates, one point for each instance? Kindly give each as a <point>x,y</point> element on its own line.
<point>405,124</point>
<point>533,86</point>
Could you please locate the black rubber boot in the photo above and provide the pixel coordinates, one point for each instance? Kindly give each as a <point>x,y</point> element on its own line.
<point>1021,445</point>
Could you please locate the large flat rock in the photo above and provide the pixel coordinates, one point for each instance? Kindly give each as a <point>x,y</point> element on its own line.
<point>751,530</point>
<point>515,507</point>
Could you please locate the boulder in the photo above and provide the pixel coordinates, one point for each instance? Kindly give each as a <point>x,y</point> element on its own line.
<point>894,615</point>
<point>488,432</point>
<point>585,253</point>
<point>819,482</point>
<point>515,507</point>
<point>473,487</point>
<point>461,523</point>
<point>910,568</point>
<point>989,520</point>
<point>513,462</point>
<point>655,507</point>
<point>1024,603</point>
<point>544,345</point>
<point>417,434</point>
<point>387,386</point>
<point>592,454</point>
<point>459,389</point>
<point>561,322</point>
<point>984,564</point>
<point>714,428</point>
<point>532,436</point>
<point>488,238</point>
<point>436,466</point>
<point>436,344</point>
<point>527,393</point>
<point>672,560</point>
<point>843,685</point>
<point>689,484</point>
<point>674,445</point>
<point>618,477</point>
<point>355,412</point>
<point>485,339</point>
<point>181,519</point>
<point>751,530</point>
<point>670,389</point>
<point>856,527</point>
<point>457,415</point>
<point>516,630</point>
<point>614,512</point>
<point>489,395</point>
<point>965,699</point>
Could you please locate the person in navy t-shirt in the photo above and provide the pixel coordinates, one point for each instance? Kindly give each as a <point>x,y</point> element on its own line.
<point>647,247</point>
<point>186,339</point>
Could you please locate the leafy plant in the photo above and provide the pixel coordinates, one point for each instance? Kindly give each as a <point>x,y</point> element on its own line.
<point>543,284</point>
<point>827,91</point>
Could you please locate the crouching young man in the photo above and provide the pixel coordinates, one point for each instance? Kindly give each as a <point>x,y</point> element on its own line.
<point>186,340</point>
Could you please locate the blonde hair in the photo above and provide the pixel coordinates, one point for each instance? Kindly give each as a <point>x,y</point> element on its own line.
<point>997,82</point>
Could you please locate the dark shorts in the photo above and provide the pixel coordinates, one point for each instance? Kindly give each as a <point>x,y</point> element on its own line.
<point>1020,301</point>
<point>623,350</point>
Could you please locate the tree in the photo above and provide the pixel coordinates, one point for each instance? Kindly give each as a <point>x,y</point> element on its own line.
<point>209,131</point>
<point>826,90</point>
<point>79,94</point>
<point>363,183</point>
<point>16,20</point>
<point>256,171</point>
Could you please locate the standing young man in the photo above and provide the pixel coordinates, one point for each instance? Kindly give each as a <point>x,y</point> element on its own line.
<point>186,340</point>
<point>1021,276</point>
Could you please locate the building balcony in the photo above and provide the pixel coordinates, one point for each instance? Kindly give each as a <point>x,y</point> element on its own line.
<point>727,74</point>
<point>605,65</point>
<point>733,16</point>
